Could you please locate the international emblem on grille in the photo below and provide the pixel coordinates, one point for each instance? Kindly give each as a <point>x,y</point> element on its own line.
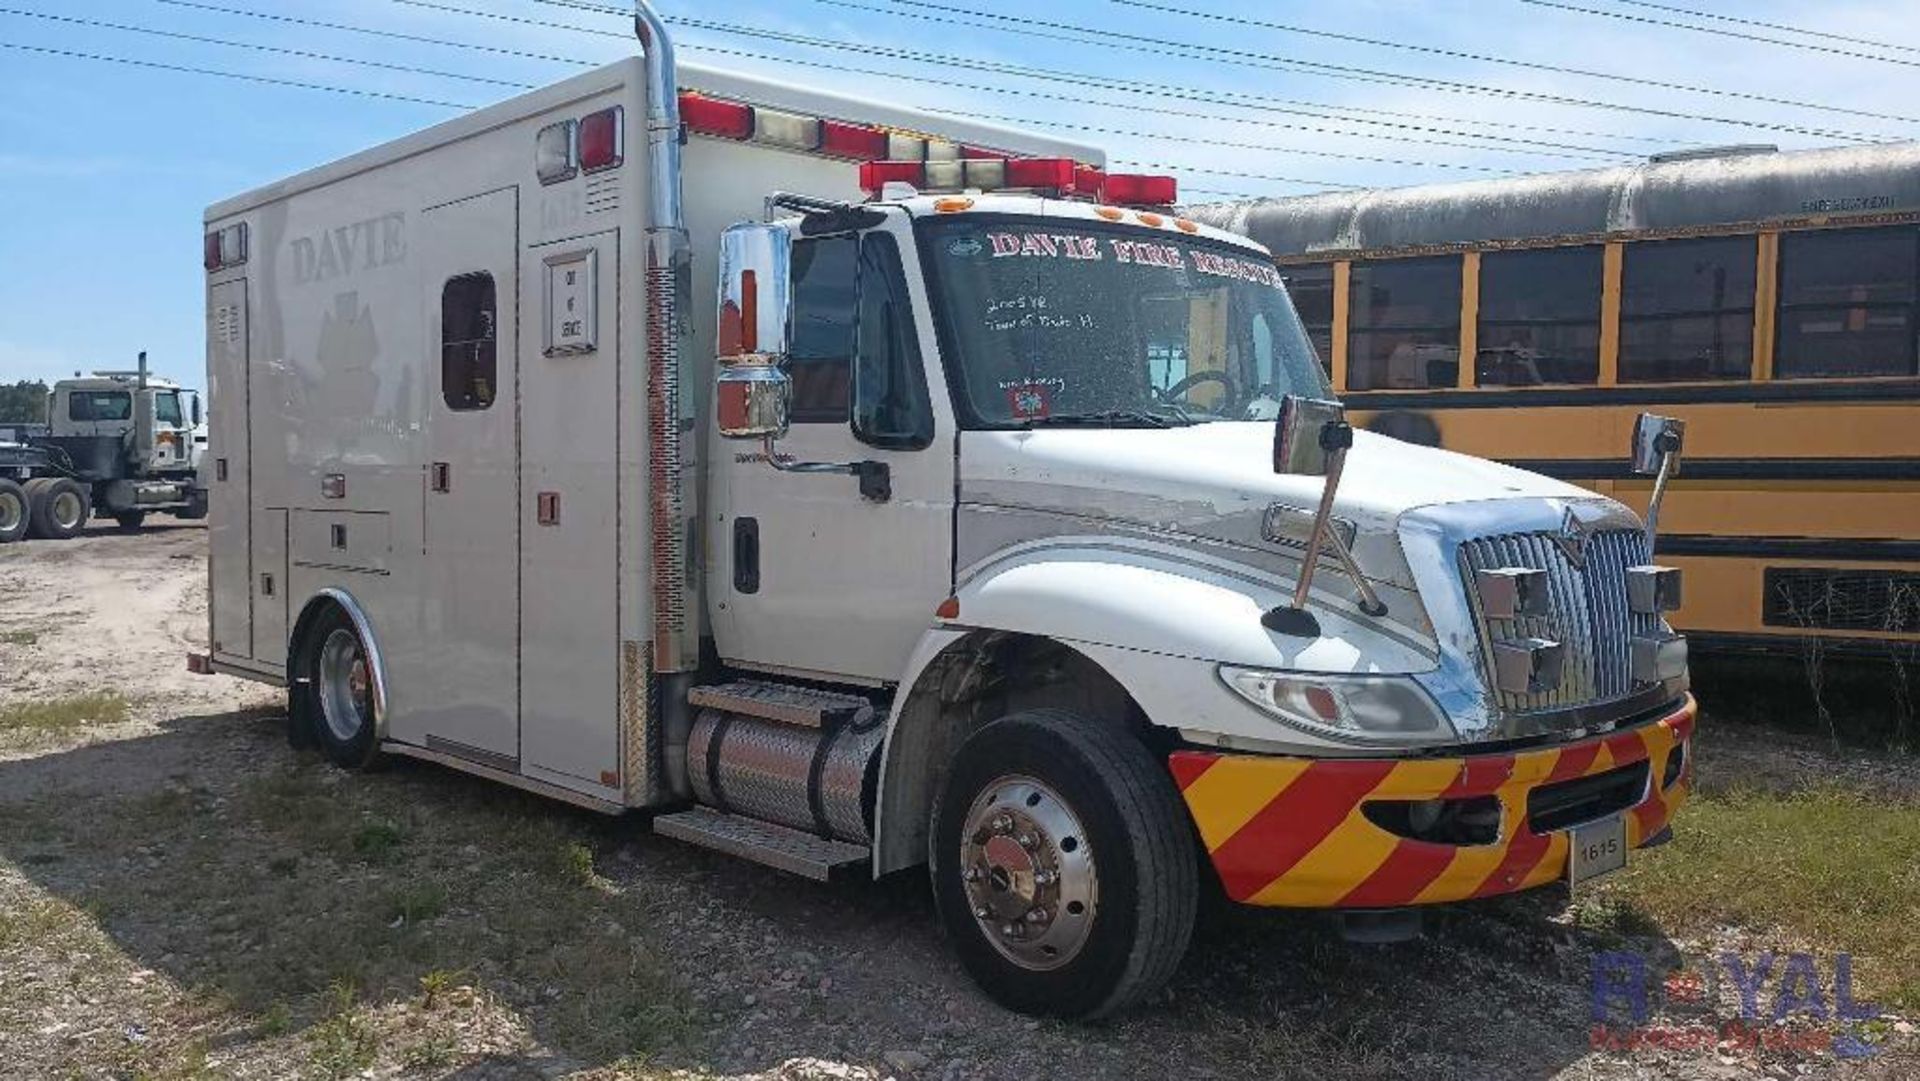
<point>1573,537</point>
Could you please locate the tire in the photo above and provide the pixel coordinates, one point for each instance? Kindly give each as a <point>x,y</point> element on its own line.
<point>196,507</point>
<point>130,520</point>
<point>329,704</point>
<point>1091,807</point>
<point>16,511</point>
<point>61,507</point>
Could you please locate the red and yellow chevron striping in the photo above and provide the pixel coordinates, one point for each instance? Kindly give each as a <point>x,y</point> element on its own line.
<point>1290,831</point>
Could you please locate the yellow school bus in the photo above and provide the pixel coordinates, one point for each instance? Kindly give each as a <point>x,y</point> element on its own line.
<point>1771,300</point>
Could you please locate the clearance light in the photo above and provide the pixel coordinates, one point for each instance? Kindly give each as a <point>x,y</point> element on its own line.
<point>852,141</point>
<point>789,130</point>
<point>602,140</point>
<point>708,116</point>
<point>225,248</point>
<point>1137,190</point>
<point>553,153</point>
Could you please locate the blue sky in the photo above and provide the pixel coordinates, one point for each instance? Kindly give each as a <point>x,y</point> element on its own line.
<point>105,168</point>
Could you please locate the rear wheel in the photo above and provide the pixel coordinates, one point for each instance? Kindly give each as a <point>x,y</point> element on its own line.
<point>130,520</point>
<point>331,697</point>
<point>61,507</point>
<point>1063,866</point>
<point>15,510</point>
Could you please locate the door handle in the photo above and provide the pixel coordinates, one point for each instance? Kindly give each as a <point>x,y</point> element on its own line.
<point>441,477</point>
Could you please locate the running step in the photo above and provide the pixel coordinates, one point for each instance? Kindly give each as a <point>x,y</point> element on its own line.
<point>784,702</point>
<point>779,847</point>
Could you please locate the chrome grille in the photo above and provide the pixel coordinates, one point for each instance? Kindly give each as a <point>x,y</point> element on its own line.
<point>1588,612</point>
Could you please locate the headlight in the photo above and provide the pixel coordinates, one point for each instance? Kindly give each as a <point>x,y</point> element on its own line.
<point>1356,709</point>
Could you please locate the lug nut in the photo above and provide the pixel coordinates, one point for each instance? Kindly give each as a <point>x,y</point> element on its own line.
<point>1003,823</point>
<point>972,875</point>
<point>1044,877</point>
<point>1038,915</point>
<point>982,912</point>
<point>1028,841</point>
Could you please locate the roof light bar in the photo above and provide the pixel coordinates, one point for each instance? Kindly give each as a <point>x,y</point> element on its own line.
<point>711,116</point>
<point>1134,189</point>
<point>789,130</point>
<point>856,141</point>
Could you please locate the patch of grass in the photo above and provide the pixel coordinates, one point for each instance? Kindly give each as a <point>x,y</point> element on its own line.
<point>573,861</point>
<point>344,1043</point>
<point>63,716</point>
<point>436,985</point>
<point>19,638</point>
<point>378,839</point>
<point>1831,865</point>
<point>416,903</point>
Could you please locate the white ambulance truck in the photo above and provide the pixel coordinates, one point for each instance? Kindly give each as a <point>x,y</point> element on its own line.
<point>854,488</point>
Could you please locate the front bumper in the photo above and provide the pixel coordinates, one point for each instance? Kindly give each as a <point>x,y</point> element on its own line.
<point>1290,832</point>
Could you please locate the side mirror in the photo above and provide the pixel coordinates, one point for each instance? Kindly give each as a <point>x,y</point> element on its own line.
<point>752,401</point>
<point>1655,438</point>
<point>751,392</point>
<point>1308,431</point>
<point>1311,439</point>
<point>1656,453</point>
<point>195,398</point>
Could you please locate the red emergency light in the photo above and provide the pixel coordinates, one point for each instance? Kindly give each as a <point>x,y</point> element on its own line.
<point>1133,189</point>
<point>601,138</point>
<point>711,116</point>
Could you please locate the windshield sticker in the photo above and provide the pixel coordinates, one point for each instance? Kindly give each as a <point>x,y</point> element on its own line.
<point>1044,245</point>
<point>1243,269</point>
<point>966,247</point>
<point>1028,401</point>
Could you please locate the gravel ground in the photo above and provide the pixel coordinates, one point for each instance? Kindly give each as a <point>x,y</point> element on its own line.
<point>183,896</point>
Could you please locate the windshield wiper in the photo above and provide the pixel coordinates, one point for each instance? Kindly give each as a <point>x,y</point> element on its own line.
<point>1104,418</point>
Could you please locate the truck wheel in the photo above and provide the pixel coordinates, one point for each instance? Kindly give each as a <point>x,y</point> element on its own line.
<point>196,507</point>
<point>15,510</point>
<point>1063,865</point>
<point>130,520</point>
<point>61,507</point>
<point>330,698</point>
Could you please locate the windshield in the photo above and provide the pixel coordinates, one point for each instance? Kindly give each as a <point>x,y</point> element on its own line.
<point>166,408</point>
<point>1054,321</point>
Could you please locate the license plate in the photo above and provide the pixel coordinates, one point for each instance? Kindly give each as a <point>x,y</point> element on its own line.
<point>1596,848</point>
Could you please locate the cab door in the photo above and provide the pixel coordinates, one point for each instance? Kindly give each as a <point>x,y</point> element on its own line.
<point>469,688</point>
<point>813,575</point>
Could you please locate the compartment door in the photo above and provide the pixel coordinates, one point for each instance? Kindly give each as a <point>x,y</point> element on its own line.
<point>469,704</point>
<point>229,498</point>
<point>570,395</point>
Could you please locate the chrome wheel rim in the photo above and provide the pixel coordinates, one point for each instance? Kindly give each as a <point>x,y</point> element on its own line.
<point>66,510</point>
<point>346,691</point>
<point>11,512</point>
<point>1027,868</point>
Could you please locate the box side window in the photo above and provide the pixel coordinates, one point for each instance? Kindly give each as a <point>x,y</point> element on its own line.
<point>468,342</point>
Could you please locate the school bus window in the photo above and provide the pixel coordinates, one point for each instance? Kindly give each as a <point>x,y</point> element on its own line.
<point>1539,317</point>
<point>1404,321</point>
<point>1847,299</point>
<point>1686,310</point>
<point>1311,287</point>
<point>468,342</point>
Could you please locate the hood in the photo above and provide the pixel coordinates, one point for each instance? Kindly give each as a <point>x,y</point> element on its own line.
<point>1189,479</point>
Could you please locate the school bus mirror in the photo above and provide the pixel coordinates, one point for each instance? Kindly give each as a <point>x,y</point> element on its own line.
<point>1656,442</point>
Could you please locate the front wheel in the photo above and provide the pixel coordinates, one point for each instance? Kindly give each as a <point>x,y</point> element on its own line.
<point>1063,866</point>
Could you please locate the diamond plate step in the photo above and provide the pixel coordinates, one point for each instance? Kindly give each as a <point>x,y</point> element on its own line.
<point>784,849</point>
<point>783,702</point>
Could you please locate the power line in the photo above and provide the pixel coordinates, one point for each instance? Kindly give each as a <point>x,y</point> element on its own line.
<point>1268,61</point>
<point>1648,20</point>
<point>1224,172</point>
<point>1737,20</point>
<point>1079,37</point>
<point>264,48</point>
<point>848,69</point>
<point>1214,142</point>
<point>1458,54</point>
<point>1235,99</point>
<point>372,32</point>
<point>71,54</point>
